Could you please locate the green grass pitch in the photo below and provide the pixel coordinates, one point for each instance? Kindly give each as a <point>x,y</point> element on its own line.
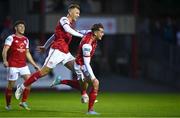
<point>67,104</point>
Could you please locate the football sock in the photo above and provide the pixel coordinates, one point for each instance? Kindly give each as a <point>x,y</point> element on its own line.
<point>92,98</point>
<point>72,83</point>
<point>25,94</point>
<point>34,77</point>
<point>8,95</point>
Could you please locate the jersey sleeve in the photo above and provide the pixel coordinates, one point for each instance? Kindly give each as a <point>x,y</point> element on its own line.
<point>84,31</point>
<point>86,49</point>
<point>66,25</point>
<point>63,21</point>
<point>9,40</point>
<point>27,45</point>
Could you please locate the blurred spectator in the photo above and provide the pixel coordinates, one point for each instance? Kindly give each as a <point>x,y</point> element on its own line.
<point>157,31</point>
<point>49,6</point>
<point>86,6</point>
<point>59,5</point>
<point>178,37</point>
<point>7,28</point>
<point>168,31</point>
<point>90,6</point>
<point>143,33</point>
<point>6,31</point>
<point>95,6</point>
<point>143,27</point>
<point>33,6</point>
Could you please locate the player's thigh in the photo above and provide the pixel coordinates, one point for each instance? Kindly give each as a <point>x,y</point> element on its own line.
<point>45,70</point>
<point>26,76</point>
<point>12,74</point>
<point>88,78</point>
<point>54,57</point>
<point>70,65</point>
<point>11,83</point>
<point>69,61</point>
<point>24,71</point>
<point>92,82</point>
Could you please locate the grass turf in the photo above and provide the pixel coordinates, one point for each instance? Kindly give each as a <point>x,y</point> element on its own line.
<point>67,104</point>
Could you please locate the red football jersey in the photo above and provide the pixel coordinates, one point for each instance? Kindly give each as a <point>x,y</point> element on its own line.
<point>62,38</point>
<point>17,52</point>
<point>87,39</point>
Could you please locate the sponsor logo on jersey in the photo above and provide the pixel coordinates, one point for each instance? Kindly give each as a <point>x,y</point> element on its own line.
<point>21,48</point>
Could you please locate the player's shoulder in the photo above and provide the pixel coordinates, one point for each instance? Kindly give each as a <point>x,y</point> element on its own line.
<point>26,38</point>
<point>10,37</point>
<point>64,19</point>
<point>87,37</point>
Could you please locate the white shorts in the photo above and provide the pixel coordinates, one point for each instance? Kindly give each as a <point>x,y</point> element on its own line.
<point>13,72</point>
<point>55,57</point>
<point>81,71</point>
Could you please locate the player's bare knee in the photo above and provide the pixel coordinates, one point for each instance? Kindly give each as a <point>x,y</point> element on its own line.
<point>96,83</point>
<point>25,77</point>
<point>70,65</point>
<point>44,71</point>
<point>11,84</point>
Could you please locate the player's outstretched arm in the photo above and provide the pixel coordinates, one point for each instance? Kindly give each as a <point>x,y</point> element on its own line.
<point>66,25</point>
<point>43,48</point>
<point>68,29</point>
<point>31,60</point>
<point>84,31</point>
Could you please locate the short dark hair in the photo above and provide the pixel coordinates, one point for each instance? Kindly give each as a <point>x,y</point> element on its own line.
<point>96,27</point>
<point>18,22</point>
<point>73,5</point>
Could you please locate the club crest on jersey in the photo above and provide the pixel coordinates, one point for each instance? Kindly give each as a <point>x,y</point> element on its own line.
<point>87,49</point>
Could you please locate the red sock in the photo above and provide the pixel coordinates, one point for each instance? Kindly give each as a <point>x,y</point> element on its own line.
<point>34,77</point>
<point>8,94</point>
<point>25,94</point>
<point>72,83</point>
<point>92,98</point>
